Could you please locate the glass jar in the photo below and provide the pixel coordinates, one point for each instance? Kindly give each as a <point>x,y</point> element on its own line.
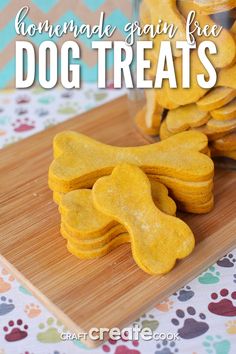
<point>210,106</point>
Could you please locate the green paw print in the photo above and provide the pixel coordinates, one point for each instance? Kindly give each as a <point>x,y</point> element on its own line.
<point>148,322</point>
<point>96,95</point>
<point>69,108</point>
<point>216,345</point>
<point>24,290</point>
<point>210,276</point>
<point>50,331</point>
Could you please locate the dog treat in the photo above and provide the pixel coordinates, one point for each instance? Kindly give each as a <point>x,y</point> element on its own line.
<point>98,252</point>
<point>84,160</point>
<point>84,221</point>
<point>162,98</point>
<point>141,123</point>
<point>224,42</point>
<point>197,208</point>
<point>227,143</point>
<point>209,7</point>
<point>211,133</point>
<point>226,77</point>
<point>153,112</point>
<point>216,98</point>
<point>183,96</point>
<point>164,132</point>
<point>226,112</point>
<point>223,153</point>
<point>185,117</point>
<point>168,12</point>
<point>233,28</point>
<point>222,126</point>
<point>157,239</point>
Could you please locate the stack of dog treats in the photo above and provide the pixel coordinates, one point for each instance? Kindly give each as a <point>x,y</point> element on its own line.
<point>111,195</point>
<point>212,112</point>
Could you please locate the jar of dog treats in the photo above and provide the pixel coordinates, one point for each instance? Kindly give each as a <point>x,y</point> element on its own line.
<point>185,72</point>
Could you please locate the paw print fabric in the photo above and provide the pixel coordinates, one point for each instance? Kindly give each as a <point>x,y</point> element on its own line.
<point>202,313</point>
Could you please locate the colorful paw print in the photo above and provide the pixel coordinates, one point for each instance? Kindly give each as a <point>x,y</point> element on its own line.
<point>23,125</point>
<point>190,327</point>
<point>6,280</point>
<point>166,347</point>
<point>32,310</point>
<point>216,345</point>
<point>6,305</point>
<point>15,331</point>
<point>231,327</point>
<point>120,349</point>
<point>147,321</point>
<point>184,294</point>
<point>228,261</point>
<point>211,276</point>
<point>50,331</point>
<point>225,306</point>
<point>165,306</point>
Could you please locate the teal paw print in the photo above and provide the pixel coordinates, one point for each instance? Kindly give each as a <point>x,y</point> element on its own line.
<point>46,99</point>
<point>216,345</point>
<point>69,108</point>
<point>24,290</point>
<point>210,276</point>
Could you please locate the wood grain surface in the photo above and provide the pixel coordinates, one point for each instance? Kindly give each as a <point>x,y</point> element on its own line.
<point>107,292</point>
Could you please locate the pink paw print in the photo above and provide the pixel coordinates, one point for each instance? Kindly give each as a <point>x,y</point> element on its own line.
<point>165,306</point>
<point>5,280</point>
<point>32,310</point>
<point>23,125</point>
<point>120,349</point>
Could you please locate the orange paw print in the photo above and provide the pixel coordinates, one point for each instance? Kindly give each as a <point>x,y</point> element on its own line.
<point>32,310</point>
<point>5,280</point>
<point>165,306</point>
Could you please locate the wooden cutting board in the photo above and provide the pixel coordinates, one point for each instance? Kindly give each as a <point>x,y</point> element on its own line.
<point>107,292</point>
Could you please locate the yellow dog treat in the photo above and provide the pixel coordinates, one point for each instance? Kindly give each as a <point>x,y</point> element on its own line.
<point>94,243</point>
<point>226,77</point>
<point>202,208</point>
<point>223,153</point>
<point>209,7</point>
<point>186,117</point>
<point>216,98</point>
<point>98,252</point>
<point>84,221</point>
<point>141,123</point>
<point>222,126</point>
<point>157,239</point>
<point>227,143</point>
<point>167,11</point>
<point>84,160</point>
<point>153,112</point>
<point>162,98</point>
<point>224,42</point>
<point>183,96</point>
<point>226,112</point>
<point>211,133</point>
<point>233,28</point>
<point>164,132</point>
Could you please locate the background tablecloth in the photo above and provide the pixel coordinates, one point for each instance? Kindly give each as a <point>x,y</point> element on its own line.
<point>203,313</point>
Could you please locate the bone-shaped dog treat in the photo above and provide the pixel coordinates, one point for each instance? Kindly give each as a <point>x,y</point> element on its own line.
<point>226,77</point>
<point>211,133</point>
<point>222,126</point>
<point>141,123</point>
<point>216,98</point>
<point>84,160</point>
<point>166,10</point>
<point>183,96</point>
<point>83,220</point>
<point>225,44</point>
<point>157,239</point>
<point>227,143</point>
<point>186,117</point>
<point>209,7</point>
<point>223,153</point>
<point>226,112</point>
<point>153,112</point>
